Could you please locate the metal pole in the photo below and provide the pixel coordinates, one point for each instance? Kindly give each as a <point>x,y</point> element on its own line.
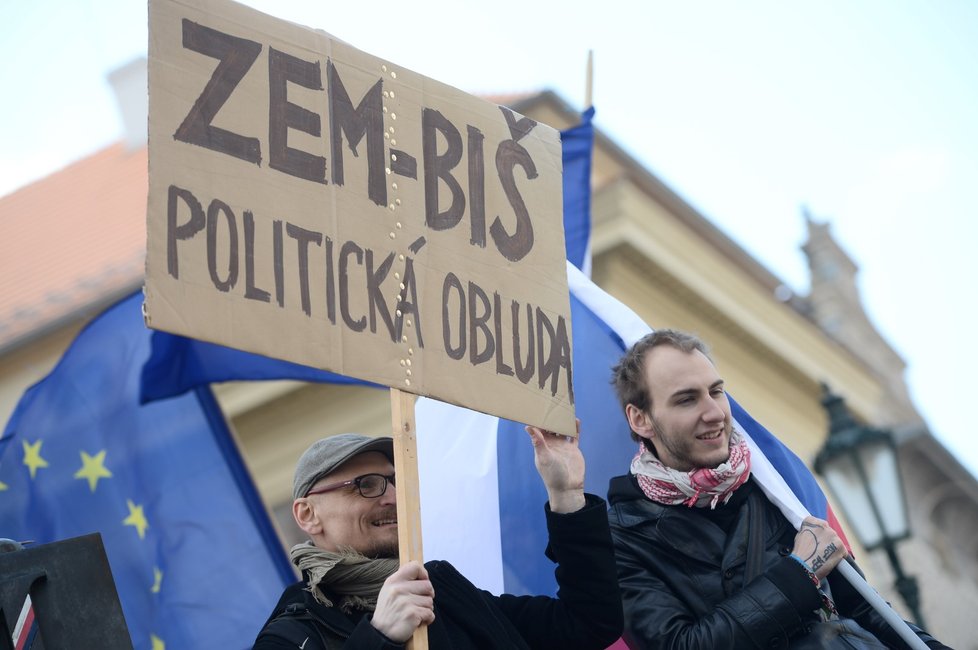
<point>905,585</point>
<point>876,601</point>
<point>589,81</point>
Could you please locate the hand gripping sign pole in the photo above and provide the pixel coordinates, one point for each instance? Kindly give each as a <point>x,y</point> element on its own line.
<point>408,497</point>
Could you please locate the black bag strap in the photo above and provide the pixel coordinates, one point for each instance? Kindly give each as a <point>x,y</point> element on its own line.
<point>755,536</point>
<point>280,626</point>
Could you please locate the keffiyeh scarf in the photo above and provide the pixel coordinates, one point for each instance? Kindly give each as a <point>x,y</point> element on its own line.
<point>701,488</point>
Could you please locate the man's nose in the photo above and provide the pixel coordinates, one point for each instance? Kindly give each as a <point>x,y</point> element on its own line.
<point>389,497</point>
<point>713,413</point>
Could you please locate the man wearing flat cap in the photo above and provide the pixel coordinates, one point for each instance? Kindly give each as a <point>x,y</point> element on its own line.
<point>355,594</point>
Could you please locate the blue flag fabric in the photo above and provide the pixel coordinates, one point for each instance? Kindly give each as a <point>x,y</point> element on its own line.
<point>178,364</point>
<point>193,554</point>
<point>577,145</point>
<point>605,443</point>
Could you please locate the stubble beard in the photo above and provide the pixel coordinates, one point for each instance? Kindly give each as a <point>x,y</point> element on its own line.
<point>681,452</point>
<point>384,548</point>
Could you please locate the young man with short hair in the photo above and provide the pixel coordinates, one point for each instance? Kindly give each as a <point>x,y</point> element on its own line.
<point>704,559</point>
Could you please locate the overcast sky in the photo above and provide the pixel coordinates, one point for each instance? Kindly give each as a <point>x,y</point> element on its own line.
<point>864,112</point>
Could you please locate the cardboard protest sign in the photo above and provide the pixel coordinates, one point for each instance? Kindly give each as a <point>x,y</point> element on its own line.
<point>314,203</point>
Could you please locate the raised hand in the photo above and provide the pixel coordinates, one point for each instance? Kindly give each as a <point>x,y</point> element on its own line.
<point>819,546</point>
<point>405,602</point>
<point>561,466</point>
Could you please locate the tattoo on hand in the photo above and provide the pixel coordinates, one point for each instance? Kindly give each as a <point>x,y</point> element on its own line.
<point>814,544</point>
<point>817,564</point>
<point>829,550</point>
<point>826,554</point>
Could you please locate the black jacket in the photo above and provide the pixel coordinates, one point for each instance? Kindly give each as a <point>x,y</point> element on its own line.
<point>587,613</point>
<point>682,575</point>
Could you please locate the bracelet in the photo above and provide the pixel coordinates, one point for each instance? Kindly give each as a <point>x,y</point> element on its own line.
<point>827,605</point>
<point>804,565</point>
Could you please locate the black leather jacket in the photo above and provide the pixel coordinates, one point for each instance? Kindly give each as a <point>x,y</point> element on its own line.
<point>682,576</point>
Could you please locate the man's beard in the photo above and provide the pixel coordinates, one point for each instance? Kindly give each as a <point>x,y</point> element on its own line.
<point>384,548</point>
<point>679,446</point>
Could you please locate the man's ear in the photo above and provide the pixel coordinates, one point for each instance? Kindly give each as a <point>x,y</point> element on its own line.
<point>305,516</point>
<point>639,421</point>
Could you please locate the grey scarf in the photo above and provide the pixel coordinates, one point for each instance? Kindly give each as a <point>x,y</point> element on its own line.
<point>357,579</point>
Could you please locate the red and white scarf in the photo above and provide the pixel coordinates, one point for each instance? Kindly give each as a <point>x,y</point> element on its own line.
<point>699,487</point>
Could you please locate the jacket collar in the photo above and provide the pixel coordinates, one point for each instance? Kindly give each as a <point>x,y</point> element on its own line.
<point>687,533</point>
<point>297,599</point>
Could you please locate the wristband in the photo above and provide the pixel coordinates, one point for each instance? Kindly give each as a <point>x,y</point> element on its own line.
<point>828,607</point>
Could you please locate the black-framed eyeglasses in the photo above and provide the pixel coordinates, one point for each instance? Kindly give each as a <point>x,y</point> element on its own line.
<point>370,486</point>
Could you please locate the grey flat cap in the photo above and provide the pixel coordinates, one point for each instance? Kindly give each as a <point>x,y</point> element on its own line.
<point>327,454</point>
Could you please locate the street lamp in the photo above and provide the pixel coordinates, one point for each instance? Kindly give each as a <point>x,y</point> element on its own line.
<point>859,463</point>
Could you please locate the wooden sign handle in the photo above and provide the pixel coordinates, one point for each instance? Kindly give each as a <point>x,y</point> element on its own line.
<point>408,495</point>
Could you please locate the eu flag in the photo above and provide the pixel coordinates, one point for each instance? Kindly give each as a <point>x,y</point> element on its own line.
<point>192,552</point>
<point>178,364</point>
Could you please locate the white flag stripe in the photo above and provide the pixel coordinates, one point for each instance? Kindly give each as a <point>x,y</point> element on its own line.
<point>620,318</point>
<point>459,490</point>
<point>772,483</point>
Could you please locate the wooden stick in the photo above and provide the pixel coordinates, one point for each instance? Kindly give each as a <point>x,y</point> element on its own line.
<point>408,494</point>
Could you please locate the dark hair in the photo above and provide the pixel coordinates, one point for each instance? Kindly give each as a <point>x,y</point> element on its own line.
<point>628,375</point>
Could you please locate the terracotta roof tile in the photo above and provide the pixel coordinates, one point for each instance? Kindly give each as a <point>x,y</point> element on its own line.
<point>71,239</point>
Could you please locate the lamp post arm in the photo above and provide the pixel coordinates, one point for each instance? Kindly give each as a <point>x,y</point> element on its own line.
<point>905,585</point>
<point>876,601</point>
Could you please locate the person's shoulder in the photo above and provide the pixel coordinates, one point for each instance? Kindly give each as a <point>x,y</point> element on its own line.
<point>628,506</point>
<point>298,620</point>
<point>287,632</point>
<point>622,488</point>
<point>451,585</point>
<point>443,570</point>
<point>293,594</point>
<point>283,629</point>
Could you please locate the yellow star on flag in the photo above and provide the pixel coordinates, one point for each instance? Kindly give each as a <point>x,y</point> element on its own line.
<point>136,518</point>
<point>32,457</point>
<point>157,642</point>
<point>3,486</point>
<point>93,468</point>
<point>157,580</point>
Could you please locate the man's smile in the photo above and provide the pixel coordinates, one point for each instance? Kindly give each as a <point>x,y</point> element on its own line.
<point>713,435</point>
